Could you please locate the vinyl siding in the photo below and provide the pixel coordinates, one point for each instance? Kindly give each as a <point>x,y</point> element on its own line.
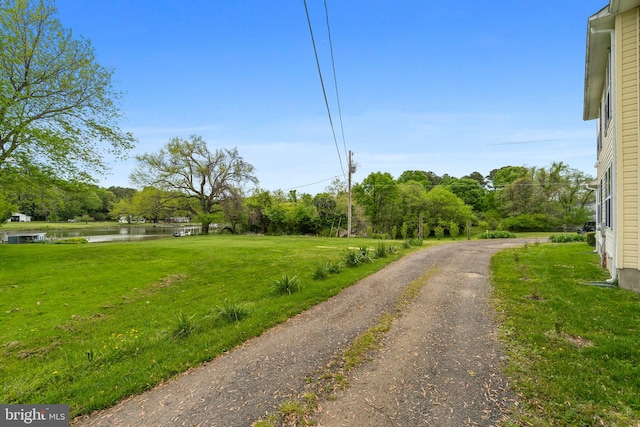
<point>627,177</point>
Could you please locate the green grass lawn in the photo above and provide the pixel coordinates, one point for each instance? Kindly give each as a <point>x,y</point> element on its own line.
<point>87,325</point>
<point>574,348</point>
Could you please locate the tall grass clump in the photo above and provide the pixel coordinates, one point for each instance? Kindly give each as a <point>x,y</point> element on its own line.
<point>287,285</point>
<point>184,327</point>
<point>230,311</point>
<point>321,272</point>
<point>381,250</point>
<point>334,267</point>
<point>354,258</point>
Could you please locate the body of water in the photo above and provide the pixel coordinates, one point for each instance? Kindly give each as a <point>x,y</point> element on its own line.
<point>112,234</point>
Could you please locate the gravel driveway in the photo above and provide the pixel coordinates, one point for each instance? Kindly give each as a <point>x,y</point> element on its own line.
<point>440,364</point>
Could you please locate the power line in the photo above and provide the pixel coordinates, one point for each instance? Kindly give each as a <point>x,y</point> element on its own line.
<point>313,183</point>
<point>335,78</point>
<point>324,92</point>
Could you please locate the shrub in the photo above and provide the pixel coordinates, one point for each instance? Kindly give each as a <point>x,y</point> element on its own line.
<point>287,285</point>
<point>496,234</point>
<point>394,232</point>
<point>528,222</point>
<point>567,238</point>
<point>454,229</point>
<point>413,242</point>
<point>72,241</point>
<point>439,231</point>
<point>591,238</point>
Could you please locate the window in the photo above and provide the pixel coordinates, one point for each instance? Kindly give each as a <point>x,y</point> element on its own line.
<point>607,198</point>
<point>607,110</point>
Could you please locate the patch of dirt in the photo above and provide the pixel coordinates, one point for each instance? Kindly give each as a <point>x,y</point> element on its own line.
<point>440,363</point>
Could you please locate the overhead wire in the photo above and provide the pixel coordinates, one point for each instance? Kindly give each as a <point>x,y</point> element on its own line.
<point>335,78</point>
<point>324,92</point>
<point>312,183</point>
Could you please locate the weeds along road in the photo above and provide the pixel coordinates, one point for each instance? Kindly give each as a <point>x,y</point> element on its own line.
<point>440,363</point>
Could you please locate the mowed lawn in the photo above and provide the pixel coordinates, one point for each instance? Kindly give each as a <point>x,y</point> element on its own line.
<point>573,346</point>
<point>89,324</point>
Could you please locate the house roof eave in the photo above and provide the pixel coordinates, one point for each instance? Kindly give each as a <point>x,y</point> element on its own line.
<point>598,44</point>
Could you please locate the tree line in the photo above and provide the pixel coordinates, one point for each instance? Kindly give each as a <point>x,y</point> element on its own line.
<point>186,179</point>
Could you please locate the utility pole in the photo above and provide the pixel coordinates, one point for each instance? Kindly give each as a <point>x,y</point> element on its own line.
<point>352,169</point>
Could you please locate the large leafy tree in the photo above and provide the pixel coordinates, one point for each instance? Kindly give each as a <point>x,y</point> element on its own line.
<point>58,108</point>
<point>378,195</point>
<point>412,202</point>
<point>205,179</point>
<point>443,207</point>
<point>470,191</point>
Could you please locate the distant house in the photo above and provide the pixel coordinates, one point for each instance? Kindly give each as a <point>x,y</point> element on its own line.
<point>19,217</point>
<point>179,219</point>
<point>612,97</point>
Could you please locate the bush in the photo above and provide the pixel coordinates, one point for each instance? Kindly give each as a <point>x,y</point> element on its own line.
<point>287,285</point>
<point>567,238</point>
<point>496,234</point>
<point>528,222</point>
<point>591,239</point>
<point>454,229</point>
<point>72,241</point>
<point>439,231</point>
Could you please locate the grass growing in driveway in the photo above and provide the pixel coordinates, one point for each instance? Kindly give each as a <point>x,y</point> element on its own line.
<point>574,348</point>
<point>87,325</point>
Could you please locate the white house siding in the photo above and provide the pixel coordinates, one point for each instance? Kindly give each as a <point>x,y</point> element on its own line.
<point>627,171</point>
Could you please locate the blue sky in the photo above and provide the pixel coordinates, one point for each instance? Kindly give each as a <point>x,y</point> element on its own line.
<point>445,87</point>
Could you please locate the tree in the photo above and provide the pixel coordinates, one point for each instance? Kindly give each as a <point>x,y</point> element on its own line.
<point>417,176</point>
<point>443,207</point>
<point>506,175</point>
<point>203,178</point>
<point>57,104</point>
<point>470,191</point>
<point>413,202</point>
<point>378,194</point>
<point>151,204</point>
<point>477,176</point>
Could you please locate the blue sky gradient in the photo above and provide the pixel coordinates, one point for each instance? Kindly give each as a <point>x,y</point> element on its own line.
<point>449,88</point>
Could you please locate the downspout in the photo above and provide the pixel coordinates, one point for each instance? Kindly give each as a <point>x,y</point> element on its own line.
<point>614,163</point>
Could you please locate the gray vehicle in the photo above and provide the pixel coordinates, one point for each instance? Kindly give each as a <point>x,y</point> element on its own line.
<point>587,227</point>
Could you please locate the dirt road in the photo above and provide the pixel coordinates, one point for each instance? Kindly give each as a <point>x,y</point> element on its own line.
<point>440,364</point>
